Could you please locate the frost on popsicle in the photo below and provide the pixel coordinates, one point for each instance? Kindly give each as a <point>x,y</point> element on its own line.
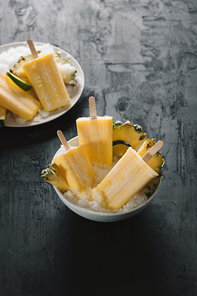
<point>46,80</point>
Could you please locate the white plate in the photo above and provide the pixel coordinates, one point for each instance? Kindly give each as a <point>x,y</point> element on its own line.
<point>74,91</point>
<point>98,216</point>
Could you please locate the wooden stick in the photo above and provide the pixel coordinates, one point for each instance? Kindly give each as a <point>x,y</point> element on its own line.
<point>63,140</point>
<point>32,48</point>
<point>152,151</point>
<point>92,105</point>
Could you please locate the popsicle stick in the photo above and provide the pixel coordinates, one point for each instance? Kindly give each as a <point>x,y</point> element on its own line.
<point>32,48</point>
<point>63,140</point>
<point>92,105</point>
<point>152,151</point>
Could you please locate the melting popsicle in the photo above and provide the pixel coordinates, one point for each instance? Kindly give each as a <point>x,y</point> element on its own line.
<point>130,174</point>
<point>16,100</point>
<point>75,166</point>
<point>95,133</point>
<point>46,80</point>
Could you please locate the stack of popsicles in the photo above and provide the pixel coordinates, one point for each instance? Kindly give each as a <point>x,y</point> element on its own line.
<point>95,145</point>
<point>129,175</point>
<point>47,82</point>
<point>17,100</point>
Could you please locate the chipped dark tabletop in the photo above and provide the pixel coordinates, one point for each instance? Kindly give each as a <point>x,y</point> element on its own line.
<point>140,62</point>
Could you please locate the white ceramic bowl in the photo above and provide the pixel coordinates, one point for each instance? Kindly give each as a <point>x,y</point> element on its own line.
<point>98,216</point>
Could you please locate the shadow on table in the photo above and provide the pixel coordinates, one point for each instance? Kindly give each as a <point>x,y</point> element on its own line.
<point>118,258</point>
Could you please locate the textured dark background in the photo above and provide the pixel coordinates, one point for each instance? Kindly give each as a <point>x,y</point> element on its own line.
<point>140,62</point>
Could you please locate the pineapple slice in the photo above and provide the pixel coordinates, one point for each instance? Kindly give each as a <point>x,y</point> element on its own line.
<point>52,175</point>
<point>66,69</point>
<point>129,134</point>
<point>18,67</point>
<point>2,116</point>
<point>119,149</point>
<point>150,188</point>
<point>156,163</point>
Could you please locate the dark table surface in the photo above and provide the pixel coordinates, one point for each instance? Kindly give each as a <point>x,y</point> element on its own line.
<point>140,62</point>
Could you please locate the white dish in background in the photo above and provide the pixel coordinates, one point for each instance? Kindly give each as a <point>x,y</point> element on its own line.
<point>74,91</point>
<point>100,216</point>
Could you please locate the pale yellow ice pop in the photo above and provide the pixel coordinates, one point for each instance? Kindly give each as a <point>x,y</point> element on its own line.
<point>130,174</point>
<point>16,100</point>
<point>75,166</point>
<point>95,133</point>
<point>46,80</point>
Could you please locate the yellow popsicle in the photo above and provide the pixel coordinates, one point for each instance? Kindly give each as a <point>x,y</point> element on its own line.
<point>47,82</point>
<point>75,167</point>
<point>16,100</point>
<point>95,133</point>
<point>130,174</point>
